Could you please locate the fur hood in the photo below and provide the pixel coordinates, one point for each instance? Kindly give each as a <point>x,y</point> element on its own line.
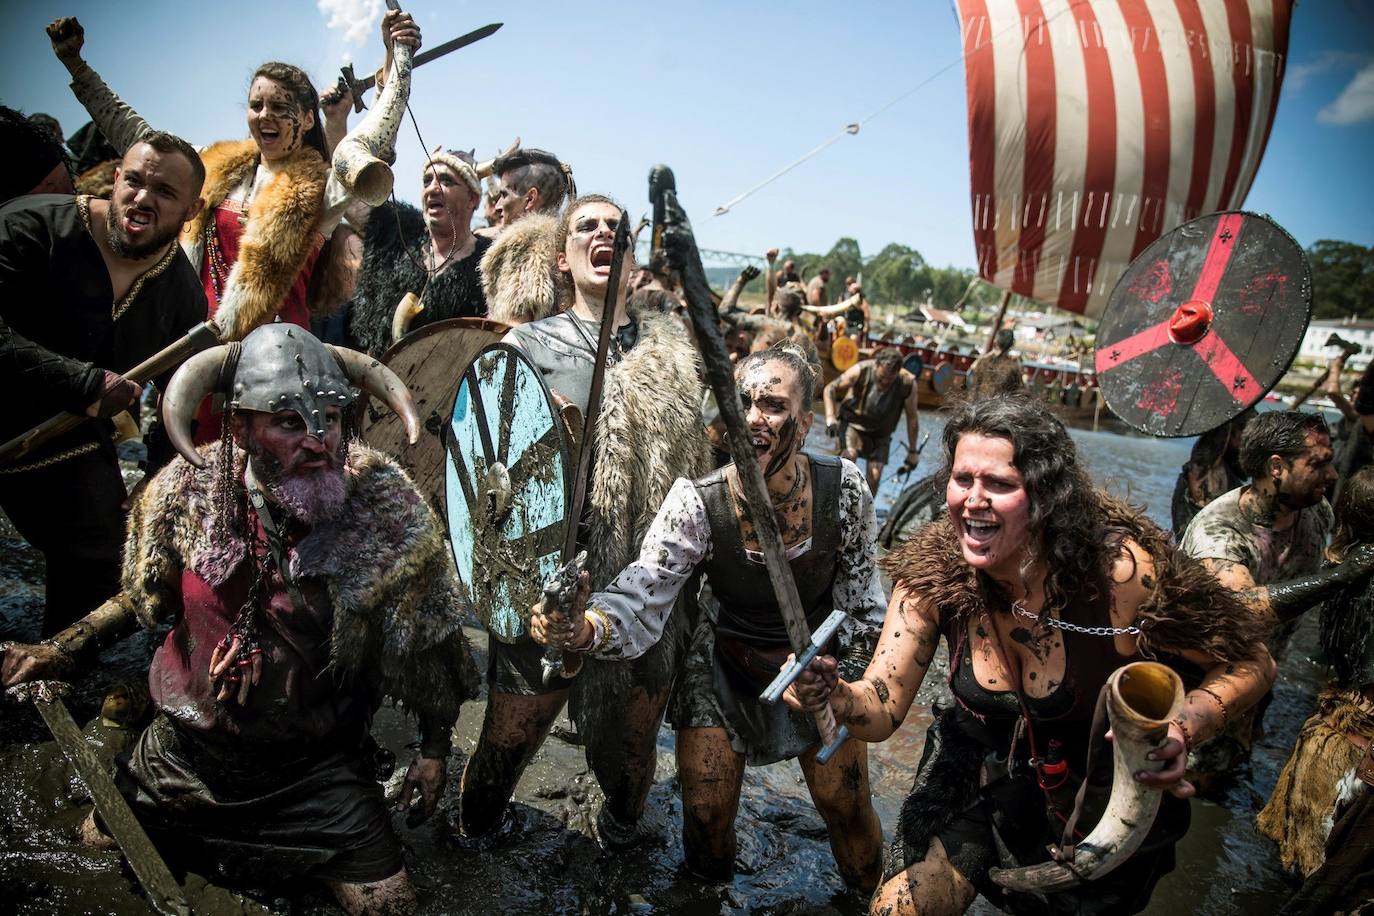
<point>383,562</point>
<point>649,434</point>
<point>520,271</point>
<point>393,252</point>
<point>1188,609</point>
<point>279,237</point>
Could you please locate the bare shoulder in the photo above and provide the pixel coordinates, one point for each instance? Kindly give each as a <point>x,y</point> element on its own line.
<point>1133,577</point>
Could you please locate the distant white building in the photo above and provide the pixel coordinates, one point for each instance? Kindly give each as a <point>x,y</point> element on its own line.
<point>1046,327</point>
<point>1355,330</point>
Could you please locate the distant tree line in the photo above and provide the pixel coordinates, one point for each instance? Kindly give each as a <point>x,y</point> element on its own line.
<point>897,275</point>
<point>1342,279</point>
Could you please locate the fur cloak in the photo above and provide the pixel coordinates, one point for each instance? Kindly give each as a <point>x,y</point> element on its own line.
<point>393,265</point>
<point>520,271</point>
<point>1318,779</point>
<point>383,562</point>
<point>649,434</point>
<point>279,237</point>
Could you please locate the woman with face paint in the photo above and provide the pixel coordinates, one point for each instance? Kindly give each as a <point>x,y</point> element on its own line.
<point>1042,586</point>
<point>825,514</point>
<point>271,201</point>
<point>648,434</point>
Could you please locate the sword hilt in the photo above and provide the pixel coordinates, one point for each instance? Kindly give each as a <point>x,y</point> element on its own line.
<point>349,82</point>
<point>561,592</point>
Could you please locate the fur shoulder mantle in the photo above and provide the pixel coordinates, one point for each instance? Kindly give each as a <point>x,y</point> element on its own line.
<point>1187,608</point>
<point>520,271</point>
<point>382,561</point>
<point>280,234</point>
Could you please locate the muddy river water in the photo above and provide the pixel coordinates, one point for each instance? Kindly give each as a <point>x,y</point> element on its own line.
<point>548,862</point>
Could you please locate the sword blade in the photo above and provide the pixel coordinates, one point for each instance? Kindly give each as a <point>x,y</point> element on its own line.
<point>164,894</point>
<point>462,41</point>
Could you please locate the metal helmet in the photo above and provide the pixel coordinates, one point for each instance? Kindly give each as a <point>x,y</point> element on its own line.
<point>279,367</point>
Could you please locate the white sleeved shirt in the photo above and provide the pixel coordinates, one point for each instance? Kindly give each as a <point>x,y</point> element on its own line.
<point>629,615</point>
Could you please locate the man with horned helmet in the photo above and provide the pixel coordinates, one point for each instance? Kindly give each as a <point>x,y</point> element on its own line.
<point>304,579</point>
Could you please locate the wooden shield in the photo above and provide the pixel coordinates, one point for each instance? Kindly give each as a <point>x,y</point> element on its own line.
<point>507,486</point>
<point>1203,323</point>
<point>429,361</point>
<point>844,352</point>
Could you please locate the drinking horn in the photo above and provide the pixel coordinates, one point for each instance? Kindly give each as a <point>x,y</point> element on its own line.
<point>362,160</point>
<point>1142,698</point>
<point>277,367</point>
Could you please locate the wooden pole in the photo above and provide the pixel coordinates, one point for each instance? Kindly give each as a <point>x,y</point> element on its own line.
<point>997,321</point>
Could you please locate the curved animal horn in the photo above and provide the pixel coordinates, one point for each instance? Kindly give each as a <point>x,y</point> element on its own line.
<point>196,378</point>
<point>361,160</point>
<point>377,380</point>
<point>484,168</point>
<point>1142,698</point>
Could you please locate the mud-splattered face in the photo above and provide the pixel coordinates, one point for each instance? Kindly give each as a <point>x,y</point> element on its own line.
<point>154,193</point>
<point>776,418</point>
<point>1304,481</point>
<point>590,247</point>
<point>275,119</point>
<point>988,504</point>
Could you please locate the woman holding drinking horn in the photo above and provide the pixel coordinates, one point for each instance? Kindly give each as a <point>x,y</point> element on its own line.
<point>1043,587</point>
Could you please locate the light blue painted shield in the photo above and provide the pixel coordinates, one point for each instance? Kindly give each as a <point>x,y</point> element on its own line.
<point>504,418</point>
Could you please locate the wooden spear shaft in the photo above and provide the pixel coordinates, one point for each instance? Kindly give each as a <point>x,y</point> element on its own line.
<point>720,374</point>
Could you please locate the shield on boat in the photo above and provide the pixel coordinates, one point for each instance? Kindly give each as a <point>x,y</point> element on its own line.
<point>844,353</point>
<point>429,361</point>
<point>914,364</point>
<point>941,377</point>
<point>1203,324</point>
<point>507,486</point>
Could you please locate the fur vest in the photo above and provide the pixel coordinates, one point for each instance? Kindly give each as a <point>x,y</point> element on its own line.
<point>520,271</point>
<point>1187,608</point>
<point>393,265</point>
<point>648,435</point>
<point>280,233</point>
<point>383,561</point>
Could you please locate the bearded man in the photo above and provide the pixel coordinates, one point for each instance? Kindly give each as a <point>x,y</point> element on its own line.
<point>432,253</point>
<point>1264,540</point>
<point>304,579</point>
<point>89,288</point>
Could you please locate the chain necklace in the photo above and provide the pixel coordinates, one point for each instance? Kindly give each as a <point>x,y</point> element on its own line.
<point>1020,608</point>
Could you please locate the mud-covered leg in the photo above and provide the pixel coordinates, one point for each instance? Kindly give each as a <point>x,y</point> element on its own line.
<point>841,793</point>
<point>873,470</point>
<point>930,887</point>
<point>394,895</point>
<point>624,761</point>
<point>512,731</point>
<point>711,773</point>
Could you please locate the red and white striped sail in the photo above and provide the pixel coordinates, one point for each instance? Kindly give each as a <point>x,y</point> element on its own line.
<point>1095,126</point>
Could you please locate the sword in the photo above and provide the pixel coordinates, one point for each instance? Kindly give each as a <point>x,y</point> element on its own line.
<point>357,87</point>
<point>720,372</point>
<point>164,894</point>
<point>562,588</point>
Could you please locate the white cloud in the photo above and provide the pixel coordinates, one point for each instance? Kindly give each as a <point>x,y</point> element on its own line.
<point>1355,104</point>
<point>353,21</point>
<point>1299,75</point>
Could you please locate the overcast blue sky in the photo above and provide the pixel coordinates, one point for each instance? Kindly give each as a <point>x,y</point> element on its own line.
<point>726,93</point>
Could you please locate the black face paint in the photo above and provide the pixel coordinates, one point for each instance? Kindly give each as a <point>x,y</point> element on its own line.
<point>787,437</point>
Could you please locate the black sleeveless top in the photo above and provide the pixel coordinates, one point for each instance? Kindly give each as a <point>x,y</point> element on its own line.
<point>748,608</point>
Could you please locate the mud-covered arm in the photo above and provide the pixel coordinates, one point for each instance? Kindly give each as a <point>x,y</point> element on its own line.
<point>62,656</point>
<point>1291,598</point>
<point>874,707</point>
<point>628,617</point>
<point>837,389</point>
<point>746,276</point>
<point>839,308</point>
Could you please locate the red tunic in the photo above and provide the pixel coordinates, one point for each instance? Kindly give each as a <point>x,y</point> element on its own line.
<point>229,231</point>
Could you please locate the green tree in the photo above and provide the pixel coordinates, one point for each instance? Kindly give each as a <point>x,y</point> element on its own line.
<point>1342,279</point>
<point>897,275</point>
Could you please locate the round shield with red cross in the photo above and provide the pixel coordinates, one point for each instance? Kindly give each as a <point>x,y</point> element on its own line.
<point>1203,323</point>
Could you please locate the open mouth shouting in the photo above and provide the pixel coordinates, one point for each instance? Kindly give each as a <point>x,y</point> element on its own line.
<point>434,206</point>
<point>137,222</point>
<point>601,256</point>
<point>980,533</point>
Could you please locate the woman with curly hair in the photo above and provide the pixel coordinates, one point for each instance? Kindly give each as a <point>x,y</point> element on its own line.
<point>1042,586</point>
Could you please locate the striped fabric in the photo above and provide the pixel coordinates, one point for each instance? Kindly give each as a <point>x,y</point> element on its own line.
<point>1095,126</point>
